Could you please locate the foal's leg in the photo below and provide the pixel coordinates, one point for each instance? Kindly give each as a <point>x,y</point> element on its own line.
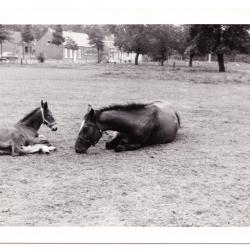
<point>40,140</point>
<point>38,148</point>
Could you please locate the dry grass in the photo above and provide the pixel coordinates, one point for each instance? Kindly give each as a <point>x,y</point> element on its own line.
<point>201,179</point>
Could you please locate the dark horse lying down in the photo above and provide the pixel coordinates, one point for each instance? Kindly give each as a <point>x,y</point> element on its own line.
<point>138,125</point>
<point>23,138</point>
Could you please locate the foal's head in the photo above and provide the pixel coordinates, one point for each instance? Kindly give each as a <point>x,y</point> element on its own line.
<point>89,133</point>
<point>47,117</point>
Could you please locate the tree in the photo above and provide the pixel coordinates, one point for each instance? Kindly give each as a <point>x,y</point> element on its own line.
<point>27,36</point>
<point>58,38</point>
<point>4,35</point>
<point>220,40</point>
<point>161,40</point>
<point>39,30</point>
<point>71,44</point>
<point>181,39</point>
<point>96,37</point>
<point>132,38</point>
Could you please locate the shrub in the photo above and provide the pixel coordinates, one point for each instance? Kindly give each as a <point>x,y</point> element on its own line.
<point>41,58</point>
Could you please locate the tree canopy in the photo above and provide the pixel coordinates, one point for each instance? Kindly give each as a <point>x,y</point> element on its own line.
<point>132,38</point>
<point>220,39</point>
<point>58,38</point>
<point>160,41</point>
<point>4,35</point>
<point>71,44</point>
<point>27,34</point>
<point>96,34</point>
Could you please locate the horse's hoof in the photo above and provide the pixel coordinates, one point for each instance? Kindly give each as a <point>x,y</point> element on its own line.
<point>109,146</point>
<point>119,148</point>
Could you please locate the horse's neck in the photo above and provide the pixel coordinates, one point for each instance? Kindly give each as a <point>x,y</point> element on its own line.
<point>115,120</point>
<point>34,121</point>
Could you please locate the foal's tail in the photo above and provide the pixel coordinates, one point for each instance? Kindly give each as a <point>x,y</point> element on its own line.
<point>178,118</point>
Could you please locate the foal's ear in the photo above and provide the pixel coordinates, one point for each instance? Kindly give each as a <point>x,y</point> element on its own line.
<point>89,108</point>
<point>44,105</point>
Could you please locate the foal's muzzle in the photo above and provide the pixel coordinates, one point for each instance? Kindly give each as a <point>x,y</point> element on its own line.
<point>53,126</point>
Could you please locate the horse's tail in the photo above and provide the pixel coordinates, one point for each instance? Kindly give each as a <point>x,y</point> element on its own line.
<point>178,118</point>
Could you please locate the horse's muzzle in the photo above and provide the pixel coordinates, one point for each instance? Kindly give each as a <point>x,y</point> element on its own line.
<point>80,151</point>
<point>80,148</point>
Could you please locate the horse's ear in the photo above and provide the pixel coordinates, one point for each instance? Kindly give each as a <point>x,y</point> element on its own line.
<point>45,105</point>
<point>91,111</point>
<point>42,103</point>
<point>89,108</point>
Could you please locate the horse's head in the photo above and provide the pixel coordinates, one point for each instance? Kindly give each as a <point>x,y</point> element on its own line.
<point>47,116</point>
<point>89,133</point>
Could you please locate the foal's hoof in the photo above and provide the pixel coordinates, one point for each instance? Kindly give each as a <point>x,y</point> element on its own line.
<point>52,148</point>
<point>119,148</point>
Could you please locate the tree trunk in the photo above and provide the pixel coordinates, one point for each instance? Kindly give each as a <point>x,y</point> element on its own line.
<point>1,49</point>
<point>182,56</point>
<point>23,50</point>
<point>136,58</point>
<point>98,57</point>
<point>221,62</point>
<point>191,59</point>
<point>162,62</point>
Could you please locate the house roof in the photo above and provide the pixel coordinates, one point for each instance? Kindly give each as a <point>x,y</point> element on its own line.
<point>80,38</point>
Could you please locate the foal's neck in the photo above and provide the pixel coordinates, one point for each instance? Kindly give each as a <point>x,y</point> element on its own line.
<point>33,120</point>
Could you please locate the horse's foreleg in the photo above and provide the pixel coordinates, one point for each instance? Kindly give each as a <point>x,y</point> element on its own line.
<point>114,142</point>
<point>127,147</point>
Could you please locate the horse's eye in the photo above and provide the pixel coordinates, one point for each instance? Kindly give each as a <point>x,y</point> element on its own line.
<point>84,129</point>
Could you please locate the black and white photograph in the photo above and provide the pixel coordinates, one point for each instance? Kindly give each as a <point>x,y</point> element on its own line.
<point>124,124</point>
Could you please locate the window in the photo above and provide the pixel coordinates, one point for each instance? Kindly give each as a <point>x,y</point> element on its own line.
<point>68,53</point>
<point>65,53</point>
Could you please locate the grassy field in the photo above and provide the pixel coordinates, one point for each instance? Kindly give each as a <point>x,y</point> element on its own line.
<point>201,179</point>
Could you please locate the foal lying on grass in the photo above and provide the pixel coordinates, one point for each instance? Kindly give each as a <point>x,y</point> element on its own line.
<point>23,138</point>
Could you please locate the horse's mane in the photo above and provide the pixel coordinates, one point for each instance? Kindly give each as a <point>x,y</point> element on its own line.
<point>124,107</point>
<point>29,115</point>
